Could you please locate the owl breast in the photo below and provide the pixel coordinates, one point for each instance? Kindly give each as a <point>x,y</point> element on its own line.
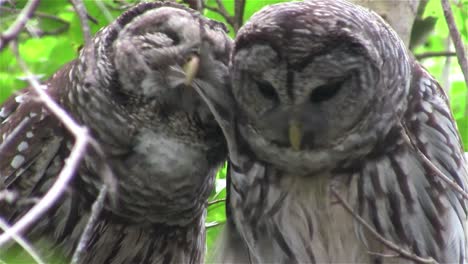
<point>178,179</point>
<point>302,223</point>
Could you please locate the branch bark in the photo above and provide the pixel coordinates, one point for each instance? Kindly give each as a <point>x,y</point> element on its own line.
<point>13,31</point>
<point>457,41</point>
<point>431,54</point>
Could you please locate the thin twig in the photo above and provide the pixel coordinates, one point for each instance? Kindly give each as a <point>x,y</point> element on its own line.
<point>456,38</point>
<point>402,252</point>
<point>13,31</point>
<point>221,10</point>
<point>440,174</point>
<point>83,14</point>
<point>431,54</point>
<point>195,4</point>
<point>82,137</point>
<point>54,193</point>
<point>239,7</point>
<point>105,11</point>
<point>39,14</point>
<point>214,224</point>
<point>216,202</point>
<point>96,210</point>
<point>23,243</point>
<point>383,255</point>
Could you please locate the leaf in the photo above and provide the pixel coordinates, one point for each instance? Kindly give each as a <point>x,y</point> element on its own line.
<point>458,95</point>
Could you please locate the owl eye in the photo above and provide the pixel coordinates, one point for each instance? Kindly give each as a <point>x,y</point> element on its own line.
<point>267,90</point>
<point>325,92</point>
<point>173,36</point>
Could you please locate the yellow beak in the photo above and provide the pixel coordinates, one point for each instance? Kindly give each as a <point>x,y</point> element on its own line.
<point>191,69</point>
<point>295,134</point>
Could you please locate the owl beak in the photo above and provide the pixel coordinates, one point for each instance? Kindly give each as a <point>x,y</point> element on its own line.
<point>295,134</point>
<point>191,69</point>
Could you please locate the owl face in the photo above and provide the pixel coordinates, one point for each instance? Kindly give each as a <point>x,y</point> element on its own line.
<point>157,50</point>
<point>147,60</point>
<point>308,84</point>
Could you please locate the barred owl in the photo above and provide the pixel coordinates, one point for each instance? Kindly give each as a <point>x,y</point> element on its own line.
<point>323,96</point>
<point>129,87</point>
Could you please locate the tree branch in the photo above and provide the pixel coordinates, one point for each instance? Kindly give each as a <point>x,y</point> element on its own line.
<point>238,14</point>
<point>456,38</point>
<point>13,31</point>
<point>431,54</point>
<point>83,14</point>
<point>82,139</point>
<point>214,224</point>
<point>96,210</point>
<point>23,243</point>
<point>38,14</point>
<point>216,202</point>
<point>221,10</point>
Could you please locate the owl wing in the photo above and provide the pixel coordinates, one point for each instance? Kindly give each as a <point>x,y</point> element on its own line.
<point>402,196</point>
<point>33,149</point>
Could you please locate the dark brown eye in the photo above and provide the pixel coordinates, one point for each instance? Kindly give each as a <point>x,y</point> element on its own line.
<point>173,36</point>
<point>325,92</point>
<point>267,90</point>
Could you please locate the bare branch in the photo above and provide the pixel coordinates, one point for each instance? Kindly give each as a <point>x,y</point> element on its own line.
<point>57,189</point>
<point>38,14</point>
<point>456,38</point>
<point>440,174</point>
<point>400,251</point>
<point>13,31</point>
<point>81,11</point>
<point>214,224</point>
<point>216,201</point>
<point>23,243</point>
<point>431,54</point>
<point>383,255</point>
<point>105,11</point>
<point>221,10</point>
<point>195,4</point>
<point>239,7</point>
<point>82,137</point>
<point>98,205</point>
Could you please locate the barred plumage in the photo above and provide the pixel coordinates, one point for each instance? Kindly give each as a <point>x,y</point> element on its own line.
<point>322,95</point>
<point>158,137</point>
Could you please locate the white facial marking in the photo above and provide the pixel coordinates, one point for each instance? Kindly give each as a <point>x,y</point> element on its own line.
<point>29,134</point>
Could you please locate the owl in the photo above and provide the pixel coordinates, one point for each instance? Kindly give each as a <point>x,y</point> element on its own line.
<point>131,88</point>
<point>328,109</point>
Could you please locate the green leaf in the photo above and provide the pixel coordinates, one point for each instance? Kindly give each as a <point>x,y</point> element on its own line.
<point>458,95</point>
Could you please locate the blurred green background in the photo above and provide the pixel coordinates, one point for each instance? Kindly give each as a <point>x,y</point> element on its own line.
<point>53,37</point>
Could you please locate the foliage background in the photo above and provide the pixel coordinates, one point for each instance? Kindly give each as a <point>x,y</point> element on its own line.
<point>53,36</point>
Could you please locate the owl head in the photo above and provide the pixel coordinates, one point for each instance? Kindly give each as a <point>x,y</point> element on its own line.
<point>317,83</point>
<point>152,53</point>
